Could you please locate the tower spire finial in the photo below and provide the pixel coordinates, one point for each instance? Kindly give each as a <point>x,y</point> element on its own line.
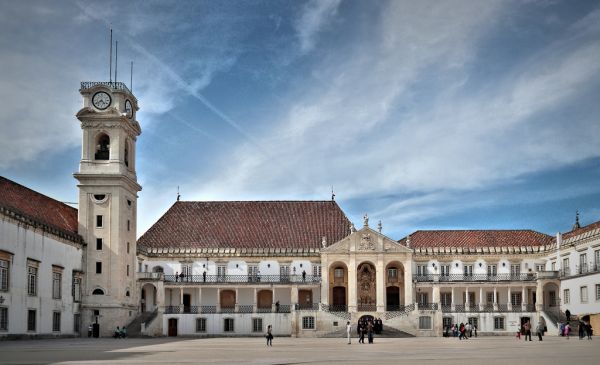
<point>332,194</point>
<point>576,225</point>
<point>110,58</point>
<point>178,195</point>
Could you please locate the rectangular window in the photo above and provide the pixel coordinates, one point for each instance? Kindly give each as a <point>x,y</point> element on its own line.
<point>186,270</point>
<point>338,273</point>
<point>56,321</point>
<point>539,267</point>
<point>228,325</point>
<point>76,290</point>
<point>308,323</point>
<point>583,263</point>
<point>447,322</point>
<point>553,266</point>
<point>515,270</point>
<point>492,270</point>
<point>284,272</point>
<point>566,268</point>
<point>474,321</point>
<point>316,271</point>
<point>31,317</point>
<point>516,298</point>
<point>257,325</point>
<point>489,296</point>
<point>221,270</point>
<point>98,244</point>
<point>32,274</point>
<point>597,259</point>
<point>422,298</point>
<point>200,324</point>
<point>4,271</point>
<point>127,247</point>
<point>127,270</point>
<point>56,285</point>
<point>446,299</point>
<point>128,225</point>
<point>468,270</point>
<point>597,292</point>
<point>392,274</point>
<point>567,296</point>
<point>3,319</point>
<point>424,323</point>
<point>584,294</point>
<point>99,221</point>
<point>253,272</point>
<point>445,270</point>
<point>98,267</point>
<point>499,323</point>
<point>421,270</point>
<point>76,322</point>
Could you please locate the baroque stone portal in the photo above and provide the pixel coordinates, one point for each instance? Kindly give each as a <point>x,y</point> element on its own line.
<point>366,285</point>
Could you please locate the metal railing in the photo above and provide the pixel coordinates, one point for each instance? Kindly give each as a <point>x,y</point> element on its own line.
<point>475,277</point>
<point>242,279</point>
<point>366,308</point>
<point>402,311</point>
<point>307,307</point>
<point>427,306</point>
<point>245,309</point>
<point>114,85</point>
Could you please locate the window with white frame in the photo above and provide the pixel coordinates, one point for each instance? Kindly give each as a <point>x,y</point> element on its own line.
<point>566,267</point>
<point>257,324</point>
<point>424,322</point>
<point>392,274</point>
<point>308,323</point>
<point>539,267</point>
<point>597,292</point>
<point>316,270</point>
<point>492,270</point>
<point>421,270</point>
<point>468,270</point>
<point>186,270</point>
<point>583,263</point>
<point>284,271</point>
<point>584,294</point>
<point>516,298</point>
<point>338,273</point>
<point>200,324</point>
<point>515,269</point>
<point>447,322</point>
<point>499,323</point>
<point>597,258</point>
<point>446,299</point>
<point>445,270</point>
<point>32,278</point>
<point>56,321</point>
<point>3,319</point>
<point>76,290</point>
<point>4,271</point>
<point>553,266</point>
<point>567,296</point>
<point>221,270</point>
<point>489,296</point>
<point>56,284</point>
<point>228,325</point>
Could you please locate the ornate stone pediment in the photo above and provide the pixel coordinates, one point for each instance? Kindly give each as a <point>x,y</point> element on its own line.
<point>366,240</point>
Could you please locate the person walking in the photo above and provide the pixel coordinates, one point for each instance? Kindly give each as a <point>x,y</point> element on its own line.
<point>349,331</point>
<point>567,330</point>
<point>370,331</point>
<point>462,332</point>
<point>527,329</point>
<point>588,330</point>
<point>475,329</point>
<point>361,332</point>
<point>467,329</point>
<point>269,335</point>
<point>518,332</point>
<point>568,315</point>
<point>540,330</point>
<point>581,330</point>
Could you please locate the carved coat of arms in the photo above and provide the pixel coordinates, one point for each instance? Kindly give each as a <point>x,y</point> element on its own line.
<point>366,243</point>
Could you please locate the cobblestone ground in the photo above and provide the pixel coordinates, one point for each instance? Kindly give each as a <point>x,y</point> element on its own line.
<point>488,350</point>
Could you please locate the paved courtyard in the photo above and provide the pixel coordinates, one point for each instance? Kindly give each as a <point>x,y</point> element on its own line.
<point>488,350</point>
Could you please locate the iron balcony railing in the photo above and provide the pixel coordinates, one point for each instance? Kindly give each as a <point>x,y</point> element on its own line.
<point>113,85</point>
<point>307,307</point>
<point>366,308</point>
<point>242,279</point>
<point>475,277</point>
<point>212,309</point>
<point>427,306</point>
<point>487,308</point>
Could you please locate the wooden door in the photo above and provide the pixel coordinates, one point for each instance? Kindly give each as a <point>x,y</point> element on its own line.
<point>172,327</point>
<point>339,295</point>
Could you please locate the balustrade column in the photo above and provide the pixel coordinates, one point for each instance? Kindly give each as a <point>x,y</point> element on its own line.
<point>452,299</point>
<point>509,298</point>
<point>219,299</point>
<point>236,305</point>
<point>254,301</point>
<point>495,299</point>
<point>467,301</point>
<point>181,300</point>
<point>480,298</point>
<point>199,297</point>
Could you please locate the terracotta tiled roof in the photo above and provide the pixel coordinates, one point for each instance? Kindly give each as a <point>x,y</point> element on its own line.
<point>477,238</point>
<point>248,224</point>
<point>584,229</point>
<point>38,208</point>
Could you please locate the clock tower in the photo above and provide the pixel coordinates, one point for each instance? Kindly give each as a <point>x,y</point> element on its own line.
<point>108,190</point>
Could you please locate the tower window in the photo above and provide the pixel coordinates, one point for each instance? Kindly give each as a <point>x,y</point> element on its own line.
<point>98,243</point>
<point>128,225</point>
<point>127,247</point>
<point>127,293</point>
<point>102,147</point>
<point>99,221</point>
<point>126,153</point>
<point>98,268</point>
<point>127,270</point>
<point>99,197</point>
<point>98,292</point>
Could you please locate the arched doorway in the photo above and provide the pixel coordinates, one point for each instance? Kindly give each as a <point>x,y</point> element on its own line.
<point>264,299</point>
<point>394,281</point>
<point>338,282</point>
<point>551,298</point>
<point>366,288</point>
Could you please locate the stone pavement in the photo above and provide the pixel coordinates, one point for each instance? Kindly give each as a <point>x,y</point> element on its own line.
<point>488,350</point>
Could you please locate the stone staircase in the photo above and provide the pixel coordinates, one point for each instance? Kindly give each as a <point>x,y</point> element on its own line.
<point>134,329</point>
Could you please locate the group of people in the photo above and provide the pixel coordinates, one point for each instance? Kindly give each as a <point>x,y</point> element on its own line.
<point>120,332</point>
<point>526,328</point>
<point>365,327</point>
<point>584,329</point>
<point>462,330</point>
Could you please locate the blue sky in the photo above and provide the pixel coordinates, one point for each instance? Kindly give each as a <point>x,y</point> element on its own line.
<point>424,114</point>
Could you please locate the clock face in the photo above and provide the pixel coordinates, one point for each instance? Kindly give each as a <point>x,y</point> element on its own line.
<point>128,109</point>
<point>101,100</point>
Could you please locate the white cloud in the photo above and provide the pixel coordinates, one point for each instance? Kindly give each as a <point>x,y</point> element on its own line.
<point>315,15</point>
<point>395,114</point>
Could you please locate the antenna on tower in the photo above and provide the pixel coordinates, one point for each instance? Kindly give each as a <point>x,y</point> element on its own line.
<point>332,194</point>
<point>116,58</point>
<point>178,195</point>
<point>131,78</point>
<point>110,58</point>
